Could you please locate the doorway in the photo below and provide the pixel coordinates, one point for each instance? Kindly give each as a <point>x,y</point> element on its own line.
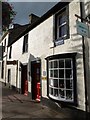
<point>9,77</point>
<point>36,75</point>
<point>23,78</point>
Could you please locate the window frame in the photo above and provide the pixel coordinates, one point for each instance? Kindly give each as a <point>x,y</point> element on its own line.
<point>25,44</point>
<point>4,45</point>
<point>61,25</point>
<point>56,31</point>
<point>10,52</point>
<point>60,78</point>
<point>63,56</point>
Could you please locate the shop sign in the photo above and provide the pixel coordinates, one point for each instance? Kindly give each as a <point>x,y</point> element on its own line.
<point>82,29</point>
<point>44,78</point>
<point>14,62</point>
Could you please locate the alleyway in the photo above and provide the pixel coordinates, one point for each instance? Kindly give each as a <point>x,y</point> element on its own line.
<point>15,105</point>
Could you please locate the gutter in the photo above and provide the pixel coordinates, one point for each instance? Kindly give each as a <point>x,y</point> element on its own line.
<point>49,13</point>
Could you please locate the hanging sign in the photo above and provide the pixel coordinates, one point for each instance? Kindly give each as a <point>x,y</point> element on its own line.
<point>82,29</point>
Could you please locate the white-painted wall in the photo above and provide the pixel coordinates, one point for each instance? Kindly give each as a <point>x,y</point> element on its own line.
<point>17,51</point>
<point>39,43</point>
<point>4,58</point>
<point>42,36</point>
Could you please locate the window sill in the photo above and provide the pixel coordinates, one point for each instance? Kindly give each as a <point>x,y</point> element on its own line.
<point>61,99</point>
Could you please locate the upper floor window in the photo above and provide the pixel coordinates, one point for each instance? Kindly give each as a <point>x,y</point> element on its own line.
<point>4,44</point>
<point>25,44</point>
<point>10,52</point>
<point>61,25</point>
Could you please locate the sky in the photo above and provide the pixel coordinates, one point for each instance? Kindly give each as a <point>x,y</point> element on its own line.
<point>24,9</point>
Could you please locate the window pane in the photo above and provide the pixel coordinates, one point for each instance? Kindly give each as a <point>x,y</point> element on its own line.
<point>25,43</point>
<point>68,73</point>
<point>61,64</point>
<point>61,73</point>
<point>51,73</point>
<point>61,92</point>
<point>51,91</point>
<point>62,31</point>
<point>55,83</point>
<point>26,47</point>
<point>56,73</point>
<point>68,84</point>
<point>51,64</point>
<point>51,82</point>
<point>68,63</point>
<point>61,83</point>
<point>62,19</point>
<point>68,94</point>
<point>55,64</point>
<point>55,92</point>
<point>10,52</point>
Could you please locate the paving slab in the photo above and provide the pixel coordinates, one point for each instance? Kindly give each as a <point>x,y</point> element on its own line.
<point>15,105</point>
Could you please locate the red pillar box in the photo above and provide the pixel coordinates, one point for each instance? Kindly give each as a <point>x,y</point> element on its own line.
<point>26,88</point>
<point>38,92</point>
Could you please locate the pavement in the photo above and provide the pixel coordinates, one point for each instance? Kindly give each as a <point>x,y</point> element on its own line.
<point>18,106</point>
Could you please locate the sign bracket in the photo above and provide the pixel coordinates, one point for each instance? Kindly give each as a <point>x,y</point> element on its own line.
<point>82,18</point>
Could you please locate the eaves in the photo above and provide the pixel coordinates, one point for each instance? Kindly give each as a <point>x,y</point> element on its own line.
<point>51,12</point>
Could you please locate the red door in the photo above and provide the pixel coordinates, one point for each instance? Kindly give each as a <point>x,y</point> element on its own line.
<point>35,74</point>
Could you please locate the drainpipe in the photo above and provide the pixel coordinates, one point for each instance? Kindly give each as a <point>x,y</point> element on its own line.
<point>83,46</point>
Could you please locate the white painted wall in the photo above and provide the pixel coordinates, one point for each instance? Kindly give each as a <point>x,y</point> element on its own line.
<point>17,51</point>
<point>40,40</point>
<point>21,57</point>
<point>42,36</point>
<point>4,57</point>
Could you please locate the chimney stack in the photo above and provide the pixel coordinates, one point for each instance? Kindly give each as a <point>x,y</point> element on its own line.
<point>33,18</point>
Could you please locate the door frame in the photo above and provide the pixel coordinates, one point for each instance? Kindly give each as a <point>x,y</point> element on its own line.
<point>33,63</point>
<point>22,80</point>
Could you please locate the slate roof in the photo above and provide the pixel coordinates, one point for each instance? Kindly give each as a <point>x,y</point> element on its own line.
<point>15,32</point>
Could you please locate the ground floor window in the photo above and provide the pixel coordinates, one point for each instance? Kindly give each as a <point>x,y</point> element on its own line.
<point>61,79</point>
